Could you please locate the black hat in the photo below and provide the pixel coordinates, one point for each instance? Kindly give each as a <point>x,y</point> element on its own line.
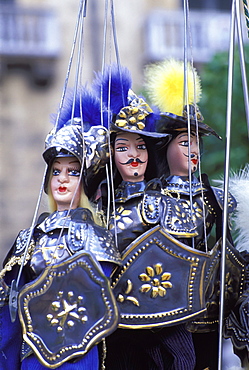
<point>130,113</point>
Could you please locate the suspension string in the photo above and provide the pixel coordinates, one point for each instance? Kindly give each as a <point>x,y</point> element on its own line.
<point>69,64</point>
<point>198,144</point>
<point>79,62</point>
<point>109,173</point>
<point>15,283</point>
<point>199,167</point>
<point>103,57</point>
<point>202,193</point>
<point>110,180</point>
<point>78,78</point>
<point>31,228</point>
<point>111,194</point>
<point>117,49</point>
<point>78,75</point>
<point>77,41</point>
<point>242,60</point>
<point>112,190</point>
<point>108,108</point>
<point>186,95</point>
<point>226,182</point>
<point>115,40</point>
<point>246,12</point>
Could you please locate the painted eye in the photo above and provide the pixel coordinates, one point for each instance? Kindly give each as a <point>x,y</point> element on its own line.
<point>142,146</point>
<point>74,172</point>
<point>55,172</point>
<point>184,143</point>
<point>121,149</point>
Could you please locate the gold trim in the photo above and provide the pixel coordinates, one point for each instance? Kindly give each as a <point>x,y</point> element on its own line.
<point>17,260</point>
<point>171,313</point>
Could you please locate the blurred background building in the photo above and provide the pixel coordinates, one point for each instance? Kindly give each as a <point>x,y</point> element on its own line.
<point>35,45</point>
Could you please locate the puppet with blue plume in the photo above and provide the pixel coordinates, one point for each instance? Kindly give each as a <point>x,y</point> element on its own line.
<point>65,303</point>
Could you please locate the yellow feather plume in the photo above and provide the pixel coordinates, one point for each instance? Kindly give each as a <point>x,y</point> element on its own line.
<point>165,85</point>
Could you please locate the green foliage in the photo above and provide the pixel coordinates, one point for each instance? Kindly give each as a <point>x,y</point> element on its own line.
<point>213,106</point>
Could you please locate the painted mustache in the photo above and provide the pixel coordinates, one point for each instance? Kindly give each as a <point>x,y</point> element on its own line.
<point>137,160</point>
<point>191,155</point>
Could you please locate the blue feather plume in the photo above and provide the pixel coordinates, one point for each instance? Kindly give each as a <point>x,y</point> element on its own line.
<point>86,105</point>
<point>150,121</point>
<point>116,82</point>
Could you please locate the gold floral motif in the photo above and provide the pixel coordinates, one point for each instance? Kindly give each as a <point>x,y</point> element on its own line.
<point>121,298</point>
<point>122,218</point>
<point>66,311</point>
<point>156,281</point>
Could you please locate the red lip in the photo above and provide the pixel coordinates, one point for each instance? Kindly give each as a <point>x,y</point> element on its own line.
<point>134,164</point>
<point>194,161</point>
<point>62,189</point>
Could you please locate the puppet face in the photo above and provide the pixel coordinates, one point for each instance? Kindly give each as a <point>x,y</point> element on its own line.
<point>130,156</point>
<point>178,156</point>
<point>64,182</point>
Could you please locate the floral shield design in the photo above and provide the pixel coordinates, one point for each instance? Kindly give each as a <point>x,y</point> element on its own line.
<point>161,282</point>
<point>67,310</point>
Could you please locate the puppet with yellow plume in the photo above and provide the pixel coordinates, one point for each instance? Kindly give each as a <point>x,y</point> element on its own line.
<point>176,90</point>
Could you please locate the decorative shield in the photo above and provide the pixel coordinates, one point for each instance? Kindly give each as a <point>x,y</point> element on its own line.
<point>161,281</point>
<point>67,310</point>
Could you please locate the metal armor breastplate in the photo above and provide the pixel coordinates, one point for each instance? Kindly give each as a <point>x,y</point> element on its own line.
<point>58,237</point>
<point>48,251</point>
<point>182,221</point>
<point>129,223</point>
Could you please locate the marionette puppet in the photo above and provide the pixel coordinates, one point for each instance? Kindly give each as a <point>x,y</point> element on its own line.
<point>193,207</point>
<point>65,304</point>
<point>133,144</point>
<point>140,284</point>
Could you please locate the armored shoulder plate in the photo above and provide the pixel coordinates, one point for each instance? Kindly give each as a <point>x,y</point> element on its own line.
<point>128,190</point>
<point>67,309</point>
<point>151,208</point>
<point>21,242</point>
<point>177,219</point>
<point>179,186</point>
<point>95,239</point>
<point>219,195</point>
<point>79,233</point>
<point>18,252</point>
